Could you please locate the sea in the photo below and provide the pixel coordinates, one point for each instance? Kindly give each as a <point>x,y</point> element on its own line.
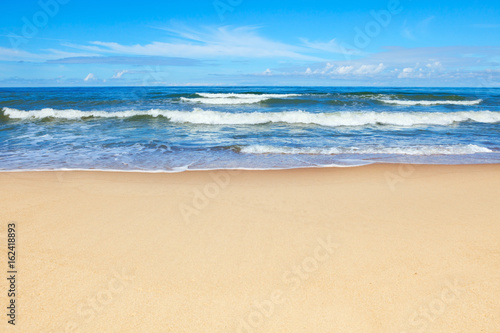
<point>173,129</point>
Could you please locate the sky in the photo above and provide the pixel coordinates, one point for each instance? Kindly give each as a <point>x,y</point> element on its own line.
<point>413,43</point>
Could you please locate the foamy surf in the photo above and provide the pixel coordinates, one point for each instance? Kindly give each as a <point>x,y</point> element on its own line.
<point>233,98</point>
<point>415,150</point>
<point>329,119</point>
<point>206,128</point>
<point>428,103</point>
<point>71,114</point>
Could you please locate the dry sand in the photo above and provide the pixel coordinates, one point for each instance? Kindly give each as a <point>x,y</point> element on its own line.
<point>381,248</point>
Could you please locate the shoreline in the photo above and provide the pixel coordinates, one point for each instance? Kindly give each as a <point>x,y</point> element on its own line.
<point>246,169</point>
<point>379,248</point>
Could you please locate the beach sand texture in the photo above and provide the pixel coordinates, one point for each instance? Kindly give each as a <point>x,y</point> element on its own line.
<point>379,248</point>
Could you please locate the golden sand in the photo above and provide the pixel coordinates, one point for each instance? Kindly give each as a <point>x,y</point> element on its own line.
<point>380,248</point>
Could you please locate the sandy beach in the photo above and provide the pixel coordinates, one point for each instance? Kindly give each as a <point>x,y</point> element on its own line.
<point>379,248</point>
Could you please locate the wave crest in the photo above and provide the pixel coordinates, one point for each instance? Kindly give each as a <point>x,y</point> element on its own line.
<point>428,103</point>
<point>233,98</point>
<point>332,119</point>
<point>71,114</point>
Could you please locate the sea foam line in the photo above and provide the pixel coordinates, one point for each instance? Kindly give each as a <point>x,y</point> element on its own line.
<point>233,98</point>
<point>412,150</point>
<point>427,103</point>
<point>331,119</point>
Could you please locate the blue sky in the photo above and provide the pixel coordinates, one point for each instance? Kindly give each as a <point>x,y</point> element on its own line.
<point>244,42</point>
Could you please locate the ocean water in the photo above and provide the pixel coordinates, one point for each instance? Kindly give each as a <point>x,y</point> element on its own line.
<point>193,128</point>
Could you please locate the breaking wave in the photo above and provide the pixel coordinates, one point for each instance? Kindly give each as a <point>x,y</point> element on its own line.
<point>330,119</point>
<point>233,98</point>
<point>427,103</point>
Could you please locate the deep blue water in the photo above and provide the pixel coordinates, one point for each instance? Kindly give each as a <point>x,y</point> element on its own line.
<point>173,129</point>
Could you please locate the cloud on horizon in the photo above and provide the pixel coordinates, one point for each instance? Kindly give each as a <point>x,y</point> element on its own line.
<point>90,77</point>
<point>212,52</point>
<point>130,60</point>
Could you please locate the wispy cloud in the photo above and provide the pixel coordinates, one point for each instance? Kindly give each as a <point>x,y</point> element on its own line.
<point>332,46</point>
<point>252,54</point>
<point>208,43</point>
<point>420,29</point>
<point>397,65</point>
<point>342,69</point>
<point>420,71</point>
<point>90,77</point>
<point>129,60</point>
<point>118,75</point>
<point>10,54</point>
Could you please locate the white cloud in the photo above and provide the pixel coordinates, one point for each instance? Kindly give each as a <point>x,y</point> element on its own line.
<point>119,74</point>
<point>242,42</point>
<point>434,65</point>
<point>57,54</point>
<point>424,71</point>
<point>405,73</point>
<point>332,46</point>
<point>342,70</point>
<point>8,54</point>
<point>90,77</point>
<point>369,69</point>
<point>360,69</point>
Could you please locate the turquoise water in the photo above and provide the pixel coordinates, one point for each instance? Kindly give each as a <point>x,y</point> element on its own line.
<point>175,129</point>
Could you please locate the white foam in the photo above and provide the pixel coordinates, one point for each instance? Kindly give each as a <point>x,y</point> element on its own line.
<point>333,119</point>
<point>423,102</point>
<point>413,150</point>
<point>234,95</point>
<point>76,114</point>
<point>232,98</point>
